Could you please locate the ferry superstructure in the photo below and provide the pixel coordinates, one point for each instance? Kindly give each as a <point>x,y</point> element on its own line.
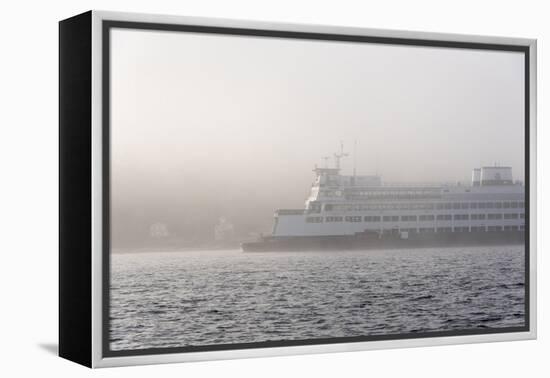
<point>349,211</point>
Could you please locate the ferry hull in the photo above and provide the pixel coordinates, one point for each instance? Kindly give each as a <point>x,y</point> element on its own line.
<point>374,241</point>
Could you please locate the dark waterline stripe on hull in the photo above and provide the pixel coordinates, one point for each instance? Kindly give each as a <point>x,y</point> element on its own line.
<point>359,242</point>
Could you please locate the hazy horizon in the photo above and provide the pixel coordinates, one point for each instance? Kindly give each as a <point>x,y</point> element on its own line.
<point>204,126</point>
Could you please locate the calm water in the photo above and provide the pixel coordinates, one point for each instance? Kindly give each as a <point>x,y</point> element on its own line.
<point>220,297</point>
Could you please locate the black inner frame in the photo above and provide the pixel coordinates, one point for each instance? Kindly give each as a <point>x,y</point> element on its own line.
<point>107,25</point>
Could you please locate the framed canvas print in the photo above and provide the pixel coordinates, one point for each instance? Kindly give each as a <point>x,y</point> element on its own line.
<point>234,189</point>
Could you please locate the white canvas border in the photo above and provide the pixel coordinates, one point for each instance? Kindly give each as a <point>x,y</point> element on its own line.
<point>99,361</point>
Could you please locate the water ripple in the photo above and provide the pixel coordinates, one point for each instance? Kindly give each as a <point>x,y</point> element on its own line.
<point>161,300</point>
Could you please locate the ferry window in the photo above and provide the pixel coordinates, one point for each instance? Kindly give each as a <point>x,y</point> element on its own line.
<point>522,215</point>
<point>448,206</point>
<point>494,228</point>
<point>506,205</point>
<point>444,217</point>
<point>439,206</point>
<point>314,219</point>
<point>514,205</point>
<point>462,229</point>
<point>510,228</point>
<point>461,217</point>
<point>522,205</point>
<point>481,205</point>
<point>333,219</point>
<point>425,230</point>
<point>494,216</point>
<point>511,216</point>
<point>478,228</point>
<point>456,206</point>
<point>464,205</point>
<point>522,228</point>
<point>477,216</point>
<point>426,217</point>
<point>444,229</point>
<point>353,219</point>
<point>405,229</point>
<point>498,205</point>
<point>489,205</point>
<point>386,218</point>
<point>473,205</point>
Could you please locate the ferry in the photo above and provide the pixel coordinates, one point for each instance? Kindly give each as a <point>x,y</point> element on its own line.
<point>361,212</point>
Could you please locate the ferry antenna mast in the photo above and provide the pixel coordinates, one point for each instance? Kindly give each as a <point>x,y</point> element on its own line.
<point>340,155</point>
<point>354,159</point>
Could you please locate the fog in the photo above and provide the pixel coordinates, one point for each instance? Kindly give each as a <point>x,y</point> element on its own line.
<point>205,126</point>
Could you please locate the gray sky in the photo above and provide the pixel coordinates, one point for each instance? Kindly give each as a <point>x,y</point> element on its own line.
<point>233,125</point>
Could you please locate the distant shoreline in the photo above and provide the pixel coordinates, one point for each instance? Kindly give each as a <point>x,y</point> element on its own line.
<point>175,249</point>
